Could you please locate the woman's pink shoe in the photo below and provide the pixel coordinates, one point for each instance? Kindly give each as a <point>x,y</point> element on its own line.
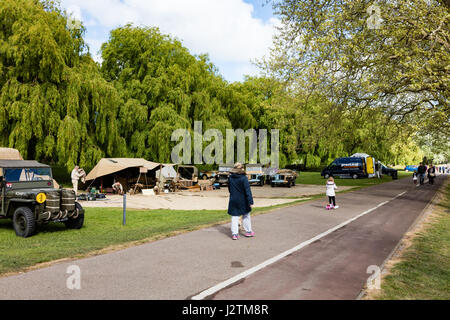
<point>234,237</point>
<point>250,234</point>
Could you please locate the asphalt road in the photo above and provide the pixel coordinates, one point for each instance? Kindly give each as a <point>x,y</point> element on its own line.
<point>186,265</point>
<point>336,266</point>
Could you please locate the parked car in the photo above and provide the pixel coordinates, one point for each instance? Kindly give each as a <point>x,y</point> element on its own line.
<point>389,171</point>
<point>411,168</point>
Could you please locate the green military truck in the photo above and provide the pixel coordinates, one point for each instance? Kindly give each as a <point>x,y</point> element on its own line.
<point>29,198</point>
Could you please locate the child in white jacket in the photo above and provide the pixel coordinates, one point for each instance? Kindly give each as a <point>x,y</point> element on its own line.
<point>331,186</point>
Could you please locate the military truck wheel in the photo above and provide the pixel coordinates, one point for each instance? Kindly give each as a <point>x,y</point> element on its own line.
<point>76,223</point>
<point>355,176</point>
<point>205,177</point>
<point>24,222</point>
<point>326,176</point>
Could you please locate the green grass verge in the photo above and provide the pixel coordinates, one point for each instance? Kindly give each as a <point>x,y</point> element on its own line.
<point>424,270</point>
<point>317,179</point>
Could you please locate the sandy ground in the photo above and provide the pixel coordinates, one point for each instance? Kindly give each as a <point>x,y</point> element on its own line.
<point>209,200</point>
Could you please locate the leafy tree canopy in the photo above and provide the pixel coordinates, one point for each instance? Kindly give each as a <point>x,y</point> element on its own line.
<point>390,55</point>
<point>54,102</point>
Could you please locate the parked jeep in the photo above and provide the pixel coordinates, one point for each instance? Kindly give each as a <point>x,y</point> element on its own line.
<point>28,197</point>
<point>255,174</point>
<point>222,175</point>
<point>284,177</point>
<point>205,175</point>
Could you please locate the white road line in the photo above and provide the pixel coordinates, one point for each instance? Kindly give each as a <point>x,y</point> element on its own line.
<point>202,295</point>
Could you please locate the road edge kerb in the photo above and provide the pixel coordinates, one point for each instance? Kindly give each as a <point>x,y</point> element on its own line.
<point>398,249</point>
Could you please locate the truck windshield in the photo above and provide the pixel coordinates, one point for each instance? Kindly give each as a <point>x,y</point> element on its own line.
<point>28,174</point>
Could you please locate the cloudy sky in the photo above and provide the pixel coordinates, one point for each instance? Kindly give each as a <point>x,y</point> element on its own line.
<point>232,32</point>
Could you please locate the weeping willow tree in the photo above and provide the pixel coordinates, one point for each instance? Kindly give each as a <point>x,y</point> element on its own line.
<point>163,88</point>
<point>55,105</point>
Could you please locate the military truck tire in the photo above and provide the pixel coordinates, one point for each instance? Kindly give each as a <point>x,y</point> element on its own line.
<point>326,176</point>
<point>205,177</point>
<point>24,222</point>
<point>76,223</point>
<point>355,176</point>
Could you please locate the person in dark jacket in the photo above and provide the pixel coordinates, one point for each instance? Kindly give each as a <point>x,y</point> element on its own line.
<point>241,201</point>
<point>431,173</point>
<point>421,170</point>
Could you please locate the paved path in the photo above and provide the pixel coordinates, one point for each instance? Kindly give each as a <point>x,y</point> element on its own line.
<point>336,266</point>
<point>183,266</point>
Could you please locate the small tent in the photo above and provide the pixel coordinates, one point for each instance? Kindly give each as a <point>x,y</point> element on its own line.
<point>167,172</point>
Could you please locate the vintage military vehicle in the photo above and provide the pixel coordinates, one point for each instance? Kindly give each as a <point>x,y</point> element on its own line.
<point>255,174</point>
<point>222,175</point>
<point>28,197</point>
<point>284,177</point>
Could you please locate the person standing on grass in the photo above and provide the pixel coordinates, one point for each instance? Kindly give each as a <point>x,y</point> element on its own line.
<point>421,170</point>
<point>331,186</point>
<point>241,201</point>
<point>75,176</point>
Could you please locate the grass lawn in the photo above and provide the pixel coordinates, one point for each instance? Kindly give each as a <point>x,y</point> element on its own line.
<point>103,228</point>
<point>424,270</point>
<point>316,178</point>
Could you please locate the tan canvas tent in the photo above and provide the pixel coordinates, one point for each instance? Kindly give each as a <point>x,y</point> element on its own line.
<point>10,154</point>
<point>108,166</point>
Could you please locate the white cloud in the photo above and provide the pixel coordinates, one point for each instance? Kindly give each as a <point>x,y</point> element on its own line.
<point>225,29</point>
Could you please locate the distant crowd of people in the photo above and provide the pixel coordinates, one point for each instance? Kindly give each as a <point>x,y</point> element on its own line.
<point>444,169</point>
<point>430,172</point>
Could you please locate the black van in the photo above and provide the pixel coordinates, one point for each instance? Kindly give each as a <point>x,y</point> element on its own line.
<point>346,167</point>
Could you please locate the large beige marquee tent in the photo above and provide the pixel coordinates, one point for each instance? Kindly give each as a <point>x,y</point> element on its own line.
<point>128,171</point>
<point>107,166</point>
